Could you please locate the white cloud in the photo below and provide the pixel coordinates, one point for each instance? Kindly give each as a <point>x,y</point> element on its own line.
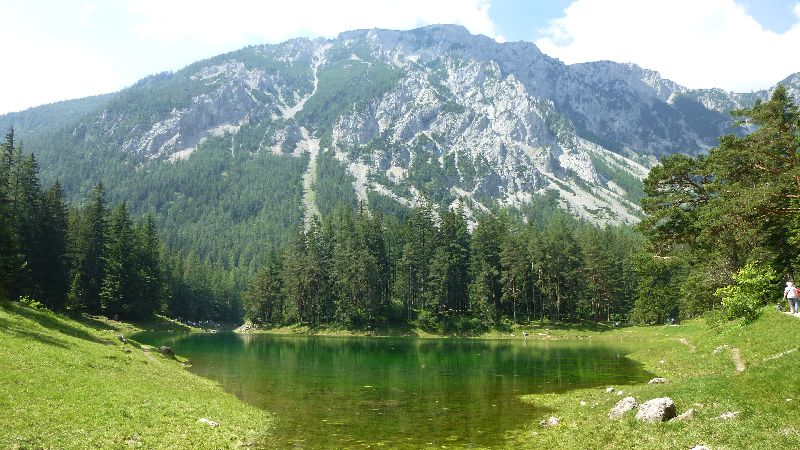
<point>49,71</point>
<point>238,21</point>
<point>700,44</point>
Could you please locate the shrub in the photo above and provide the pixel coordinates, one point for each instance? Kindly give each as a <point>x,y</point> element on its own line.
<point>749,292</point>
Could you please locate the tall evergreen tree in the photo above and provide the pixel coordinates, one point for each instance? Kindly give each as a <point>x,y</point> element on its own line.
<point>485,291</point>
<point>53,273</point>
<point>88,240</point>
<point>9,255</point>
<point>118,289</point>
<point>148,283</point>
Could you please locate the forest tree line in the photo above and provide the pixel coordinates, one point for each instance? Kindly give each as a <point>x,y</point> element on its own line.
<point>725,227</point>
<point>94,258</point>
<point>358,269</point>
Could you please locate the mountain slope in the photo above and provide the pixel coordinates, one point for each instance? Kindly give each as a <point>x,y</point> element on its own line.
<point>234,151</point>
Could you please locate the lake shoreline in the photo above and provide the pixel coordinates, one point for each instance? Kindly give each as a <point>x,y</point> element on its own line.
<point>561,331</point>
<point>739,381</point>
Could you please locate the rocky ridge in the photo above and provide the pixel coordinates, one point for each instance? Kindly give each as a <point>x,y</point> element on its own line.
<point>433,113</point>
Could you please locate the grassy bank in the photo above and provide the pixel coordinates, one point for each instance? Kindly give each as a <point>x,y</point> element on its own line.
<point>67,383</point>
<point>751,370</point>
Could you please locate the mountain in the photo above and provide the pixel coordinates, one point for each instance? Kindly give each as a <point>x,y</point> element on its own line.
<point>235,151</point>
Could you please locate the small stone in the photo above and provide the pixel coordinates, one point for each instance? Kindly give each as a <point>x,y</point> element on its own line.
<point>688,414</point>
<point>583,403</point>
<point>208,422</point>
<point>550,422</point>
<point>658,380</point>
<point>609,389</point>
<point>656,410</point>
<point>622,406</point>
<point>122,339</point>
<point>729,415</point>
<point>700,447</point>
<point>166,351</point>
<point>620,392</point>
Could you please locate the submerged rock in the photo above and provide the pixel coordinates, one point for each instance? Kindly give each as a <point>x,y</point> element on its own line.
<point>656,410</point>
<point>622,406</point>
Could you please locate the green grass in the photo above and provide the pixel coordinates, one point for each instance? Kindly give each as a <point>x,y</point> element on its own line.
<point>67,383</point>
<point>766,394</point>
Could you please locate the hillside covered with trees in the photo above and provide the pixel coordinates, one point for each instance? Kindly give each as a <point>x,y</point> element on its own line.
<point>95,259</point>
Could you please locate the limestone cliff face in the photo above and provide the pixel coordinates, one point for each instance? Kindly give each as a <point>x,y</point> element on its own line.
<point>434,112</point>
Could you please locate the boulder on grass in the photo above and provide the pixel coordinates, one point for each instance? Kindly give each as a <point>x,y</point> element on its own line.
<point>550,422</point>
<point>167,351</point>
<point>656,410</point>
<point>622,406</point>
<point>686,415</point>
<point>209,422</point>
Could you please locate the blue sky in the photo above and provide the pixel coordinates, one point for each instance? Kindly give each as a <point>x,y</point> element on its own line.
<point>69,49</point>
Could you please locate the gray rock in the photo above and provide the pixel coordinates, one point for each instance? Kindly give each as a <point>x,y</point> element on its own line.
<point>688,414</point>
<point>550,422</point>
<point>622,406</point>
<point>209,422</point>
<point>167,351</point>
<point>729,415</point>
<point>122,339</point>
<point>656,410</point>
<point>701,447</point>
<point>609,389</point>
<point>658,380</point>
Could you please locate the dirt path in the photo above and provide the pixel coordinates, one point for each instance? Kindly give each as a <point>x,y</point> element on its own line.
<point>686,342</point>
<point>736,356</point>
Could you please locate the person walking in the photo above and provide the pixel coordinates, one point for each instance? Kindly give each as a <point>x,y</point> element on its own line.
<point>791,295</point>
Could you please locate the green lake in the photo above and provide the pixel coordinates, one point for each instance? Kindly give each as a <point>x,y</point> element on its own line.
<point>346,392</point>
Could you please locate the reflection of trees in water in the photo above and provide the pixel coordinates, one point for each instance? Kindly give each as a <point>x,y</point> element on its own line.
<point>387,388</point>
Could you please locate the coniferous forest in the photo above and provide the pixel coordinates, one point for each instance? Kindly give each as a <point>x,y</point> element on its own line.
<point>357,269</point>
<point>94,257</point>
<point>720,230</point>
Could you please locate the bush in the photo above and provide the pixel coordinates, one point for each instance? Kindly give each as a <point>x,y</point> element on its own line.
<point>31,303</point>
<point>750,291</point>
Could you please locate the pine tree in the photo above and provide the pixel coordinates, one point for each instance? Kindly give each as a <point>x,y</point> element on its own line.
<point>25,196</point>
<point>9,253</point>
<point>53,274</point>
<point>88,240</point>
<point>485,291</point>
<point>149,284</point>
<point>515,274</point>
<point>264,296</point>
<point>118,289</point>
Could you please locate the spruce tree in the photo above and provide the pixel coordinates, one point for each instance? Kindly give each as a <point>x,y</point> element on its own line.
<point>88,240</point>
<point>118,289</point>
<point>53,274</point>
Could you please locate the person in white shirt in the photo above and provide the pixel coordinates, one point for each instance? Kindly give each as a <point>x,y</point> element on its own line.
<point>791,295</point>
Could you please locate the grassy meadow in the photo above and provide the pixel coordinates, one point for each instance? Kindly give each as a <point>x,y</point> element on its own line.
<point>72,384</point>
<point>751,370</point>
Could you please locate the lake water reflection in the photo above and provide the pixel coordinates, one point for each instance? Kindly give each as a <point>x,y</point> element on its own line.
<point>334,392</point>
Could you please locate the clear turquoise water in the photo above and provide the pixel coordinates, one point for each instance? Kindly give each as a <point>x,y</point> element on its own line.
<point>333,392</point>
